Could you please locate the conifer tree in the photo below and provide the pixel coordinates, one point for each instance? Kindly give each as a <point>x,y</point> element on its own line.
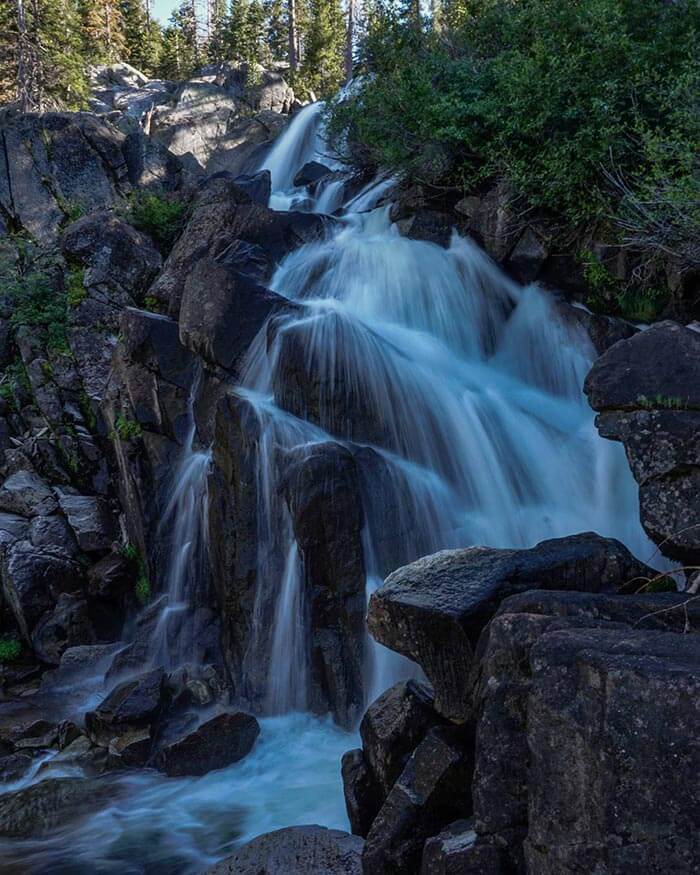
<point>103,31</point>
<point>324,47</point>
<point>216,48</point>
<point>180,54</point>
<point>142,36</point>
<point>277,29</point>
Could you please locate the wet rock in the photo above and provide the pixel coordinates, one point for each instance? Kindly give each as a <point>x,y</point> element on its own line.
<point>527,257</point>
<point>132,748</point>
<point>111,578</point>
<point>321,487</point>
<point>218,742</point>
<point>113,251</point>
<point>455,851</point>
<point>82,661</point>
<point>90,519</point>
<point>363,796</point>
<point>53,531</point>
<point>49,804</point>
<point>433,789</point>
<point>12,528</point>
<point>133,704</point>
<point>645,390</point>
<point>35,736</point>
<point>33,579</point>
<point>26,494</point>
<point>310,173</point>
<point>222,311</point>
<point>296,850</point>
<point>393,726</point>
<point>434,610</point>
<point>14,766</point>
<point>257,186</point>
<point>67,625</point>
<point>603,331</point>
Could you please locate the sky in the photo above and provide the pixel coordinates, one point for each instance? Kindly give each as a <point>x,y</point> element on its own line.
<point>163,8</point>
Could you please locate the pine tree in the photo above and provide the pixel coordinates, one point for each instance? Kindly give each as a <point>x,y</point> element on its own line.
<point>218,25</point>
<point>324,47</point>
<point>180,54</point>
<point>43,65</point>
<point>277,29</point>
<point>143,37</point>
<point>103,31</point>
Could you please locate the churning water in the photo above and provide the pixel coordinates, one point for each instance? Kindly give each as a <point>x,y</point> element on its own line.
<point>464,391</point>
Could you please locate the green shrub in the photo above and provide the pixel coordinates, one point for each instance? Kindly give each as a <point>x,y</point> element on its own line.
<point>10,649</point>
<point>75,286</point>
<point>143,589</point>
<point>126,429</point>
<point>39,302</point>
<point>142,586</point>
<point>161,217</point>
<point>14,383</point>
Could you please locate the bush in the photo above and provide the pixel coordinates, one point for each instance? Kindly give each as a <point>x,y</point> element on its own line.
<point>38,301</point>
<point>126,429</point>
<point>160,216</point>
<point>10,649</point>
<point>142,586</point>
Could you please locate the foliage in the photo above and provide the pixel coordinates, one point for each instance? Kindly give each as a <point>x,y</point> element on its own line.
<point>159,216</point>
<point>14,383</point>
<point>103,30</point>
<point>542,92</point>
<point>75,286</point>
<point>10,649</point>
<point>126,429</point>
<point>322,70</point>
<point>142,586</point>
<point>39,301</point>
<point>143,37</point>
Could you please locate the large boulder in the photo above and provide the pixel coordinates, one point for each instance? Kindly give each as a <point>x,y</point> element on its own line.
<point>132,705</point>
<point>647,394</point>
<point>541,751</point>
<point>90,518</point>
<point>67,625</point>
<point>222,311</point>
<point>26,494</point>
<point>296,850</point>
<point>434,609</point>
<point>213,744</point>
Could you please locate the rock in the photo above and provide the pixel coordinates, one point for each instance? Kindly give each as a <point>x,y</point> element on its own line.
<point>53,531</point>
<point>32,580</point>
<point>260,88</point>
<point>321,487</point>
<point>434,610</point>
<point>118,74</point>
<point>133,704</point>
<point>392,728</point>
<point>310,173</point>
<point>527,257</point>
<point>619,632</point>
<point>12,528</point>
<point>68,625</point>
<point>363,796</point>
<point>90,519</point>
<point>218,742</point>
<point>257,187</point>
<point>42,807</point>
<point>82,661</point>
<point>14,766</point>
<point>603,331</point>
<point>296,850</point>
<point>131,748</point>
<point>111,578</point>
<point>433,789</point>
<point>26,494</point>
<point>222,312</point>
<point>606,794</point>
<point>645,390</point>
<point>455,851</point>
<point>35,736</point>
<point>114,253</point>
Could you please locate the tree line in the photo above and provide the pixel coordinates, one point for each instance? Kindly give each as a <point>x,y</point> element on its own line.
<point>46,46</point>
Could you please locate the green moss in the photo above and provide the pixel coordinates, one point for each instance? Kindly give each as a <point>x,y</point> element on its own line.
<point>10,649</point>
<point>661,402</point>
<point>71,209</point>
<point>75,287</point>
<point>153,304</point>
<point>86,409</point>
<point>142,586</point>
<point>14,383</point>
<point>143,590</point>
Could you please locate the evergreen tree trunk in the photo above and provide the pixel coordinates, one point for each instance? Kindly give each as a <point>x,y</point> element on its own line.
<point>293,36</point>
<point>25,73</point>
<point>349,37</point>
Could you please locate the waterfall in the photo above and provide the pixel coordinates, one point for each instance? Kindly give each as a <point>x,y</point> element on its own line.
<point>183,529</point>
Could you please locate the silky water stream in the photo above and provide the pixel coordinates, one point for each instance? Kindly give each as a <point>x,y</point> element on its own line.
<point>471,397</point>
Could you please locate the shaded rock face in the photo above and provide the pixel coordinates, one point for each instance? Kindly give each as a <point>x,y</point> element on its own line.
<point>297,850</point>
<point>224,215</point>
<point>434,610</point>
<point>214,744</point>
<point>621,656</point>
<point>647,394</point>
<point>222,312</point>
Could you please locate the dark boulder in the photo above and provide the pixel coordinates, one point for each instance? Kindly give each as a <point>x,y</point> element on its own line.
<point>647,394</point>
<point>113,252</point>
<point>296,850</point>
<point>433,789</point>
<point>310,173</point>
<point>434,610</point>
<point>67,625</point>
<point>111,578</point>
<point>40,808</point>
<point>363,796</point>
<point>53,531</point>
<point>455,851</point>
<point>133,704</point>
<point>257,186</point>
<point>26,494</point>
<point>222,311</point>
<point>91,519</point>
<point>214,744</point>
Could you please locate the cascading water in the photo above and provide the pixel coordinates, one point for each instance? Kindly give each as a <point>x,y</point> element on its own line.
<point>459,394</point>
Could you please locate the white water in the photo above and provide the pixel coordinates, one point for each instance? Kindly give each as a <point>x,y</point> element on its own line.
<point>469,426</point>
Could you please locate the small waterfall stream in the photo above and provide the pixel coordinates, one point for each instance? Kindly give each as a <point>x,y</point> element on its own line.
<point>465,406</point>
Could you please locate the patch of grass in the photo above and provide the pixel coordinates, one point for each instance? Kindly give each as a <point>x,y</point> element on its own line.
<point>10,649</point>
<point>75,287</point>
<point>71,209</point>
<point>39,303</point>
<point>160,216</point>
<point>661,402</point>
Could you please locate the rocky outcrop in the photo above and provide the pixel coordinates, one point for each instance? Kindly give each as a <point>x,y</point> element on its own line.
<point>647,394</point>
<point>434,610</point>
<point>297,850</point>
